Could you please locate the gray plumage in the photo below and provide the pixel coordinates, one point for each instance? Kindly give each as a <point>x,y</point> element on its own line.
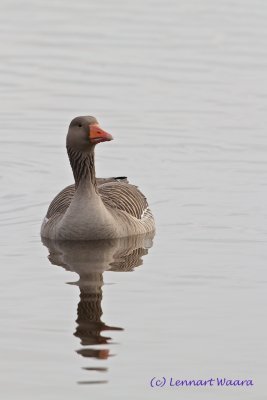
<point>63,199</point>
<point>94,208</point>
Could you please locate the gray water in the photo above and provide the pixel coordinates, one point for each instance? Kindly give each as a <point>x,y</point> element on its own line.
<point>182,87</point>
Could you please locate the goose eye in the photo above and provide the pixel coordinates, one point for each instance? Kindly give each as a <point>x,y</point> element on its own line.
<point>80,125</point>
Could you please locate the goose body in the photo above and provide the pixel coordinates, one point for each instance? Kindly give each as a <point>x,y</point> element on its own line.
<point>94,208</point>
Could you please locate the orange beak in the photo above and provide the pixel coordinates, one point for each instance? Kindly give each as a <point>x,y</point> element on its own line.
<point>97,135</point>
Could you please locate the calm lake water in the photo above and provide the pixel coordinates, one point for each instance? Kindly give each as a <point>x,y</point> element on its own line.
<point>182,86</point>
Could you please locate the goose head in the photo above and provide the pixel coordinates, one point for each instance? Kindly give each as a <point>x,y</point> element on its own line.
<point>84,133</point>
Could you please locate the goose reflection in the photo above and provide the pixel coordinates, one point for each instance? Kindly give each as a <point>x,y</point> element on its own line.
<point>90,260</point>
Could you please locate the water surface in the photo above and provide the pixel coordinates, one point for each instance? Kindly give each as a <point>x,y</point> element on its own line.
<point>181,85</point>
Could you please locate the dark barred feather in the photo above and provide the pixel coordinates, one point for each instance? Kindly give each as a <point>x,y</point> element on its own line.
<point>124,197</point>
<point>62,201</point>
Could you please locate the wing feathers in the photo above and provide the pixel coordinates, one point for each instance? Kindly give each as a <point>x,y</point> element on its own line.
<point>116,193</point>
<point>124,197</point>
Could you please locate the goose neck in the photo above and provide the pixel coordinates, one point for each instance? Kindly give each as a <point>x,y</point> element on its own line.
<point>83,167</point>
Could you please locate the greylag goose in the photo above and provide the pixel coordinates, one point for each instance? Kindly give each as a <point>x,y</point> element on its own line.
<point>92,208</point>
